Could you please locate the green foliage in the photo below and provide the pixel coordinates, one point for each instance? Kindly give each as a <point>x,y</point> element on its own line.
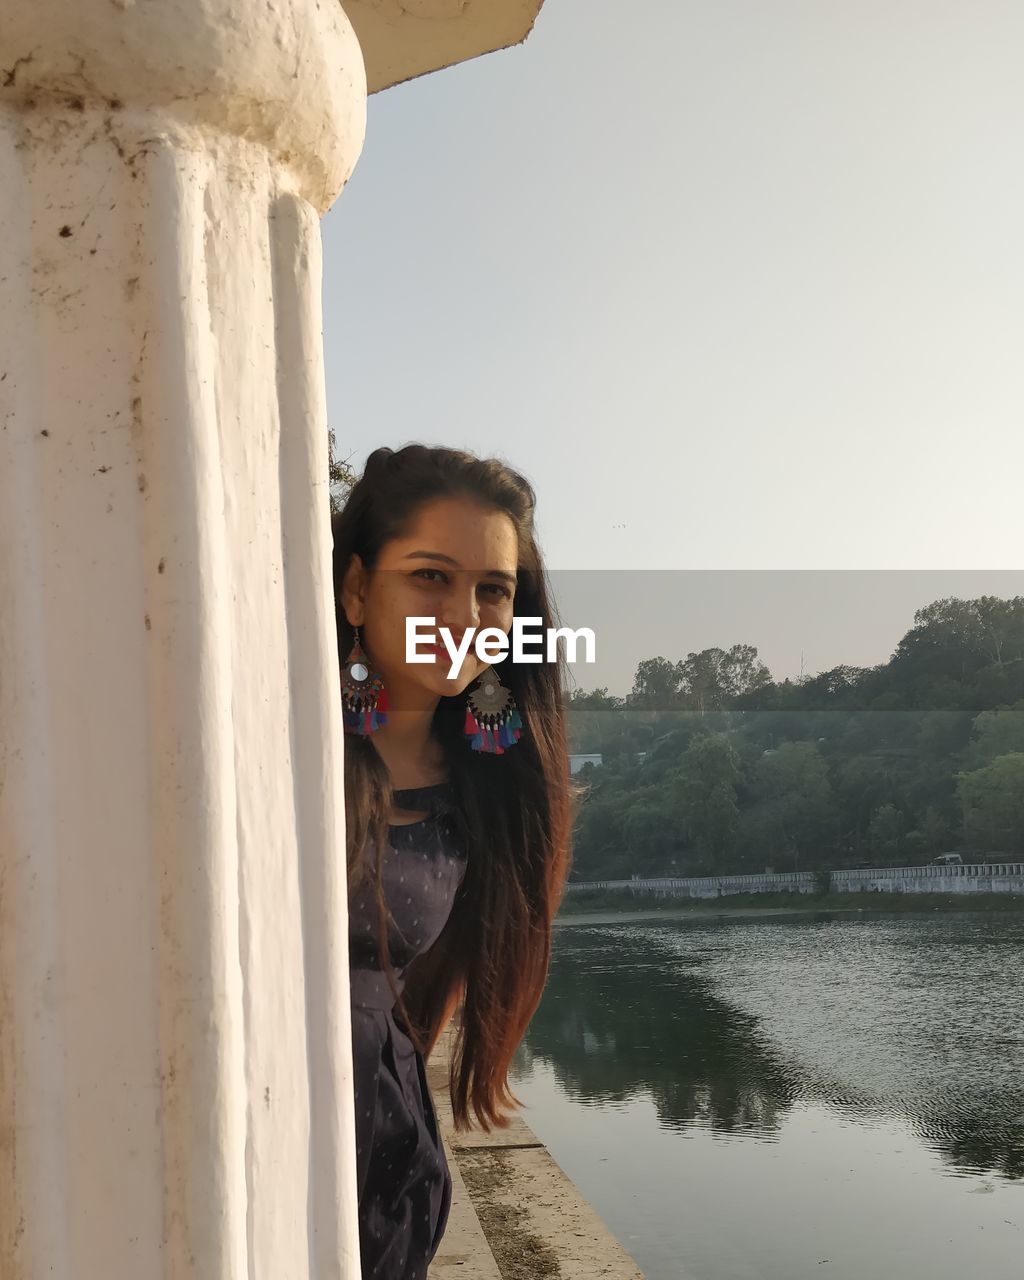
<point>595,727</point>
<point>793,808</point>
<point>996,733</point>
<point>341,477</point>
<point>702,682</point>
<point>710,766</point>
<point>992,799</point>
<point>704,788</point>
<point>884,833</point>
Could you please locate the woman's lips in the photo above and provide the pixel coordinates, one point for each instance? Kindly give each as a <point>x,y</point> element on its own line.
<point>440,650</point>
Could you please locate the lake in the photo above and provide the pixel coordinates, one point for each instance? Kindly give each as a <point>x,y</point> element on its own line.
<point>790,1097</point>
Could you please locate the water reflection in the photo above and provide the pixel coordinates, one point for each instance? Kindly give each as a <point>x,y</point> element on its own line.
<point>729,1026</point>
<point>616,1022</point>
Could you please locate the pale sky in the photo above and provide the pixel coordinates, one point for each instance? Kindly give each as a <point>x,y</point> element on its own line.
<point>738,286</point>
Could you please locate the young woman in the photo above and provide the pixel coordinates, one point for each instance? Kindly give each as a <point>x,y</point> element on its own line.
<point>459,814</point>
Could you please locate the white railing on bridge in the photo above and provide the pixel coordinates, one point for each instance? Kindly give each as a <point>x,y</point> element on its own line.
<point>1001,877</point>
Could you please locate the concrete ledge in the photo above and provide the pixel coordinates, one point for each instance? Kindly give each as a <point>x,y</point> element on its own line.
<point>515,1215</point>
<point>464,1251</point>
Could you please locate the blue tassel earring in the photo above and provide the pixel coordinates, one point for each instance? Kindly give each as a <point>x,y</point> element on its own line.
<point>364,699</point>
<point>493,722</point>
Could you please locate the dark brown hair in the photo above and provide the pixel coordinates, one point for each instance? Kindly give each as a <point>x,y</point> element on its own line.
<point>513,811</point>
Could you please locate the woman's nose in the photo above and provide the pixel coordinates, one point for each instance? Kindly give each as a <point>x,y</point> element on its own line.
<point>461,609</point>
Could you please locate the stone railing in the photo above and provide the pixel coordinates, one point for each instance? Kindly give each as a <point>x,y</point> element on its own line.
<point>1001,877</point>
<point>997,877</point>
<point>706,886</point>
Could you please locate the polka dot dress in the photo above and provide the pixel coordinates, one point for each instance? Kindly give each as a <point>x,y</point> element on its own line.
<point>403,1177</point>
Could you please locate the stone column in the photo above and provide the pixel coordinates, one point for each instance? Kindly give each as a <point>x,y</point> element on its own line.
<point>175,1061</point>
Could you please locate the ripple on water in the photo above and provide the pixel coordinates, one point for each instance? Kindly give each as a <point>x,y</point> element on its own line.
<point>914,1017</point>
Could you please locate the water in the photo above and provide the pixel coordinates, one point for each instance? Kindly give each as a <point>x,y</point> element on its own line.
<point>779,1099</point>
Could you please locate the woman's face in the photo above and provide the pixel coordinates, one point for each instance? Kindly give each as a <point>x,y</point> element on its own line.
<point>457,564</point>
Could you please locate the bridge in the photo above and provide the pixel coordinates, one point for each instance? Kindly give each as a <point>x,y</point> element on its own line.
<point>1001,877</point>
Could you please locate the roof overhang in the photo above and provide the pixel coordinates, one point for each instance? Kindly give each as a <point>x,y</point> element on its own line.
<point>402,39</point>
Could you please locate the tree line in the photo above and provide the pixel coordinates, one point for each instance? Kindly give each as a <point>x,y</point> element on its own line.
<point>709,766</point>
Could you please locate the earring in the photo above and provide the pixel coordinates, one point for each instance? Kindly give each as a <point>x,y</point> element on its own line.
<point>493,721</point>
<point>364,699</point>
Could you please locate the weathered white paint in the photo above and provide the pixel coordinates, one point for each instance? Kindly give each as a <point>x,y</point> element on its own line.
<point>406,38</point>
<point>175,1062</point>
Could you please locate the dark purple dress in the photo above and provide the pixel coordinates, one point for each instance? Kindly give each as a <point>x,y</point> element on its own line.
<point>403,1178</point>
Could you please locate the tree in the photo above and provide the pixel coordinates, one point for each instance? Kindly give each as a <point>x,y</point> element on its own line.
<point>656,684</point>
<point>651,832</point>
<point>795,801</point>
<point>995,733</point>
<point>341,476</point>
<point>957,644</point>
<point>885,830</point>
<point>838,688</point>
<point>705,788</point>
<point>1000,629</point>
<point>599,843</point>
<point>942,734</point>
<point>993,805</point>
<point>851,763</point>
<point>937,831</point>
<point>863,783</point>
<point>712,678</point>
<point>600,722</point>
<point>594,700</point>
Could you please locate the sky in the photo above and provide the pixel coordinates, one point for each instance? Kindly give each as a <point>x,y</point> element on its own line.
<point>738,286</point>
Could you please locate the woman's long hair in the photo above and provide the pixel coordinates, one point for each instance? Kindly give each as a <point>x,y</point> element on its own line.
<point>514,811</point>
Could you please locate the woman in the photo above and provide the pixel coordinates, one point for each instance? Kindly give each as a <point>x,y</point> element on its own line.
<point>458,809</point>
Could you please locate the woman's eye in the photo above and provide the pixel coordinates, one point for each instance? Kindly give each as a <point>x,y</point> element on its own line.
<point>501,593</point>
<point>417,573</point>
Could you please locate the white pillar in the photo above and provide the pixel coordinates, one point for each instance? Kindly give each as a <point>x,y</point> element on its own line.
<point>175,1061</point>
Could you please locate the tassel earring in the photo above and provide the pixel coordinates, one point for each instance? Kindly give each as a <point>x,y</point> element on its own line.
<point>364,699</point>
<point>493,721</point>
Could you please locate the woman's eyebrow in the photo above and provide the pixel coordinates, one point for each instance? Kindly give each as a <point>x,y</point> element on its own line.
<point>433,555</point>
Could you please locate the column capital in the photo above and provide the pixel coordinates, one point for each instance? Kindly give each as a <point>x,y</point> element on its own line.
<point>289,75</point>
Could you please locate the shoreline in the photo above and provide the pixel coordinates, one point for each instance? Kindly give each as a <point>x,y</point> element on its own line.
<point>515,1213</point>
<point>612,915</point>
<point>625,912</point>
